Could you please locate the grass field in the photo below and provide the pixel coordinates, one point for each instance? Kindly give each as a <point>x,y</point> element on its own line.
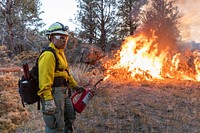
<point>119,106</point>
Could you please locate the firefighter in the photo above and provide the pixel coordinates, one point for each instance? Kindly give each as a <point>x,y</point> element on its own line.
<point>57,108</point>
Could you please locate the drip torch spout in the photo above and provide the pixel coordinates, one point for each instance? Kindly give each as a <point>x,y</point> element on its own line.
<point>97,83</point>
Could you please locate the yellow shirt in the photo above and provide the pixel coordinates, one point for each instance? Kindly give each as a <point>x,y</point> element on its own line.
<point>46,70</point>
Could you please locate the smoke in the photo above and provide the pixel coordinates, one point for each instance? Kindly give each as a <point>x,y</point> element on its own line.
<point>190,21</point>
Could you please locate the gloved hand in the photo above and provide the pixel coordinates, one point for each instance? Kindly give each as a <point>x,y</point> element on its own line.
<point>80,89</point>
<point>50,107</point>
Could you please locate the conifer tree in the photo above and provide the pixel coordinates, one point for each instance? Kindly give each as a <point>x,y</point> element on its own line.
<point>16,17</point>
<point>98,20</point>
<point>129,13</point>
<point>162,20</point>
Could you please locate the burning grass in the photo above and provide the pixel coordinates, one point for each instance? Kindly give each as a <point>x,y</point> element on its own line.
<point>141,59</point>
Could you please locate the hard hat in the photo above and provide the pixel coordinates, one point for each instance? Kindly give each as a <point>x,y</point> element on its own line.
<point>57,28</point>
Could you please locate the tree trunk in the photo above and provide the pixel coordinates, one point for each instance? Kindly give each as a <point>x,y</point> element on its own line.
<point>11,41</point>
<point>6,12</point>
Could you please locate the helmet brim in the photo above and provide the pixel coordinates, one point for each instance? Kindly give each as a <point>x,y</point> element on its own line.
<point>60,32</point>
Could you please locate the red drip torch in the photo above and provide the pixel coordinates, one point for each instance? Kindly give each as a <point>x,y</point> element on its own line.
<point>80,103</point>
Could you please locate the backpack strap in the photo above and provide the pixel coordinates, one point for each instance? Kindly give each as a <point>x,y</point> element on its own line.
<point>54,53</point>
<point>68,72</point>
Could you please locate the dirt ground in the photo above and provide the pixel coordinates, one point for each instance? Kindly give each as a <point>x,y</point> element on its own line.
<point>119,106</point>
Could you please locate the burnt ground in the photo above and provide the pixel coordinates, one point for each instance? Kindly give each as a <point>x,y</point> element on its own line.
<point>119,106</point>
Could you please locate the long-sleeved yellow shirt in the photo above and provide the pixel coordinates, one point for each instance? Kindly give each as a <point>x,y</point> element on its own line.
<point>46,71</point>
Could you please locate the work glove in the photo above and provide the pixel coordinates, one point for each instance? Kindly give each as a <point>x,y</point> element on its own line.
<point>50,107</point>
<point>79,89</point>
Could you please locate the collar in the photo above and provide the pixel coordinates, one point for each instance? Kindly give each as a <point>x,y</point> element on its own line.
<point>57,50</point>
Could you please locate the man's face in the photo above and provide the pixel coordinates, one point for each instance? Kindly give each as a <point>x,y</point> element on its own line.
<point>60,40</point>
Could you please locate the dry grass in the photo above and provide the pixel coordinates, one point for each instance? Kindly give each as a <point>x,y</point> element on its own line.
<point>156,107</point>
<point>120,106</point>
<point>85,75</point>
<point>12,113</point>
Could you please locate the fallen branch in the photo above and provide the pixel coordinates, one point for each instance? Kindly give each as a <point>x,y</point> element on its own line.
<point>10,69</point>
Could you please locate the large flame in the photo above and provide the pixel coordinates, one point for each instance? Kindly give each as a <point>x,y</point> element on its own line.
<point>141,59</point>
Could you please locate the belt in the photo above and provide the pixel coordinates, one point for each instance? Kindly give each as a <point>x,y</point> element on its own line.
<point>59,81</point>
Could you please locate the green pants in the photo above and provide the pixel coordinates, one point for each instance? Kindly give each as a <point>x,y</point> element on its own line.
<point>62,121</point>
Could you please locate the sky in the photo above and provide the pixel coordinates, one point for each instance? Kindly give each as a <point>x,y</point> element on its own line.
<point>63,10</point>
<point>190,22</point>
<point>58,11</point>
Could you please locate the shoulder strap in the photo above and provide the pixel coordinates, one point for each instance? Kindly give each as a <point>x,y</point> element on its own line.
<point>54,53</point>
<point>68,72</point>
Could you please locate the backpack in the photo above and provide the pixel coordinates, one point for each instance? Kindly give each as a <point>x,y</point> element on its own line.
<point>29,84</point>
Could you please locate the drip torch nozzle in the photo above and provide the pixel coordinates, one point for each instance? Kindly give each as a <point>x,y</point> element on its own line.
<point>97,83</point>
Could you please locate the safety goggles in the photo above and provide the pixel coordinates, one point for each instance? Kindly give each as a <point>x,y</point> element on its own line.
<point>61,37</point>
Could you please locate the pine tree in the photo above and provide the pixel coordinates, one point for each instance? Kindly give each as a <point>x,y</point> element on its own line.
<point>163,19</point>
<point>129,13</point>
<point>17,16</point>
<point>98,20</point>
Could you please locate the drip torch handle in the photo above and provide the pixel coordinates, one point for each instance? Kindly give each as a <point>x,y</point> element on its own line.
<point>26,71</point>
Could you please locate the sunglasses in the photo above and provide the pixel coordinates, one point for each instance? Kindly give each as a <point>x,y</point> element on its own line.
<point>61,37</point>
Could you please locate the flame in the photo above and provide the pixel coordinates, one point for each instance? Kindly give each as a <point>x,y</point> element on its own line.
<point>197,65</point>
<point>106,77</point>
<point>141,59</point>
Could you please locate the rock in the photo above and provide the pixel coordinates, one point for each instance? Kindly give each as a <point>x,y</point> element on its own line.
<point>86,53</point>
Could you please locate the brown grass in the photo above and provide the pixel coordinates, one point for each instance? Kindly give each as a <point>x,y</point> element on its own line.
<point>120,105</point>
<point>155,107</point>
